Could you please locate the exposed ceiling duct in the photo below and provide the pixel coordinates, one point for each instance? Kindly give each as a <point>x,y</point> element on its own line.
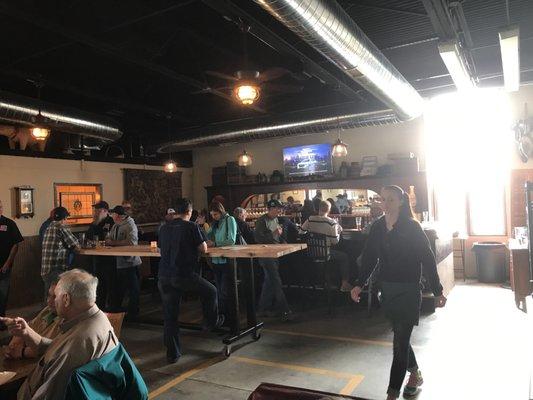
<point>19,110</point>
<point>217,134</point>
<point>326,27</point>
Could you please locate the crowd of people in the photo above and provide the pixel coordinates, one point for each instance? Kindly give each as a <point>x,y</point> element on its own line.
<point>72,330</point>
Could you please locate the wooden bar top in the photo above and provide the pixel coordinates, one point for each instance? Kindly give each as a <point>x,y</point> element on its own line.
<point>22,368</point>
<point>246,251</point>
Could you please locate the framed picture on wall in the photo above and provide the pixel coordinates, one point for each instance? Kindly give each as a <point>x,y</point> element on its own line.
<point>24,199</point>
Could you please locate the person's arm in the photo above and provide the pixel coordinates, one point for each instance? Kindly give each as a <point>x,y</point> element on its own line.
<point>202,248</point>
<point>9,262</point>
<point>305,225</point>
<point>18,327</point>
<point>369,257</point>
<point>427,259</point>
<point>71,242</point>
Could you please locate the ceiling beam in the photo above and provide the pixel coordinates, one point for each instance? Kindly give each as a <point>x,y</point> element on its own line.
<point>396,10</point>
<point>111,51</point>
<point>89,94</point>
<point>261,31</point>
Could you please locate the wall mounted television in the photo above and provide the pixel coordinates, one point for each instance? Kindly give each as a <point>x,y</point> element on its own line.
<point>310,159</point>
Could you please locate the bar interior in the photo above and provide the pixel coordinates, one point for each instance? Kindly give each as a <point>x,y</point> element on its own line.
<point>268,199</point>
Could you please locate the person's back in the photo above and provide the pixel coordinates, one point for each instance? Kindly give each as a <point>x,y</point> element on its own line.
<point>323,225</point>
<point>178,241</point>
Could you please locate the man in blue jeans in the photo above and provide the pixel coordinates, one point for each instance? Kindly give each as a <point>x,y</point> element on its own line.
<point>181,242</point>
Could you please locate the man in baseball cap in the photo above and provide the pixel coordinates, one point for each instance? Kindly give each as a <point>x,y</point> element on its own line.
<point>103,267</point>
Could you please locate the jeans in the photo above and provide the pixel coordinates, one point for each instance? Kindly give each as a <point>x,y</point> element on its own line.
<point>171,290</point>
<point>128,280</point>
<point>272,296</point>
<point>4,292</point>
<point>341,259</point>
<point>223,281</point>
<point>403,357</point>
<point>105,270</point>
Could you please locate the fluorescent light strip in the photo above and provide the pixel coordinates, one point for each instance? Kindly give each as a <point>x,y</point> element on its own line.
<point>510,49</point>
<point>449,51</point>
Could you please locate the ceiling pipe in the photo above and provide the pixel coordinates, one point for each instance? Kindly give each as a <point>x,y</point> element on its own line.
<point>19,110</point>
<point>326,27</point>
<point>219,135</point>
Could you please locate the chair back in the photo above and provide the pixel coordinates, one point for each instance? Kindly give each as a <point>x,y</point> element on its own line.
<point>317,247</point>
<point>116,319</point>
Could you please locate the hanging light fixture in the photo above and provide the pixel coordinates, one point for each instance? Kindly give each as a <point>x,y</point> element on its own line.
<point>340,149</point>
<point>40,132</point>
<point>170,166</point>
<point>244,159</point>
<point>247,93</point>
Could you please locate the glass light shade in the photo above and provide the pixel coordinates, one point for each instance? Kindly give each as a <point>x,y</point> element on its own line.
<point>170,166</point>
<point>339,149</point>
<point>245,159</point>
<point>247,93</point>
<point>40,133</point>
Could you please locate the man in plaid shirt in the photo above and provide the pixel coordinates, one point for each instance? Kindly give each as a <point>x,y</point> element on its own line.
<point>57,242</point>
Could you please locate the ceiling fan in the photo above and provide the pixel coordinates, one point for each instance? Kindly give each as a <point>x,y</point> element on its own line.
<point>249,85</point>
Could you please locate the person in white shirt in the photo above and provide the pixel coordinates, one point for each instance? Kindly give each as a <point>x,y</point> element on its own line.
<point>324,225</point>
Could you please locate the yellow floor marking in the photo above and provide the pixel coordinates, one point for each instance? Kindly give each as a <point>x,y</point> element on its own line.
<point>339,338</point>
<point>299,368</point>
<point>351,385</point>
<point>182,377</point>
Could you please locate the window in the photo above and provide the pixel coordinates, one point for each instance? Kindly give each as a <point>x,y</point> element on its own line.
<point>78,199</point>
<point>468,159</point>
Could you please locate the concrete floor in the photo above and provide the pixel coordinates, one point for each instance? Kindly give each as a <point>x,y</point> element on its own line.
<point>475,348</point>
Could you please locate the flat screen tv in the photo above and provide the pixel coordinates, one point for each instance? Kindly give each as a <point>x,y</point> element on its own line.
<point>311,159</point>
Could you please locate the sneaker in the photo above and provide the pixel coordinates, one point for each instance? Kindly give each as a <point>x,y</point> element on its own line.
<point>413,384</point>
<point>172,358</point>
<point>346,287</point>
<point>287,316</point>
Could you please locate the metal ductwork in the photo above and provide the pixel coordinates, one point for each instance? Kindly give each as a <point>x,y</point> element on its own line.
<point>19,110</point>
<point>218,134</point>
<point>326,27</point>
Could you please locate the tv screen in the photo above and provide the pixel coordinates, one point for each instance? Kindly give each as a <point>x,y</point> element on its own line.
<point>311,159</point>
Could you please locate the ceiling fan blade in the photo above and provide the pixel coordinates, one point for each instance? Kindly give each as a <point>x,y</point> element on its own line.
<point>210,89</point>
<point>282,88</point>
<point>272,73</point>
<point>221,75</point>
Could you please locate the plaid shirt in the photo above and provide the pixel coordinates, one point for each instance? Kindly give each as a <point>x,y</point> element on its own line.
<point>56,242</point>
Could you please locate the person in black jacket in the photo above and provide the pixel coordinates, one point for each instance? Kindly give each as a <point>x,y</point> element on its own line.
<point>243,229</point>
<point>401,246</point>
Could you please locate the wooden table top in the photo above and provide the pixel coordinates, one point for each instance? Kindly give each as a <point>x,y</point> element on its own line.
<point>22,367</point>
<point>246,251</point>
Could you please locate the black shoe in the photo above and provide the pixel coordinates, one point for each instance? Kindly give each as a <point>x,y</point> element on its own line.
<point>171,358</point>
<point>220,321</point>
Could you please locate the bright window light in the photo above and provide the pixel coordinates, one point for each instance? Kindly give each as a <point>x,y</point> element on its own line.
<point>510,49</point>
<point>468,143</point>
<point>450,53</point>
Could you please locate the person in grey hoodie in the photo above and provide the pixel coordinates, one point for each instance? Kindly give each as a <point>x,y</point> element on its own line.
<point>124,233</point>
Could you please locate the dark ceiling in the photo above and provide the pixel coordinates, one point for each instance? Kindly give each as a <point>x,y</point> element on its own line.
<point>138,61</point>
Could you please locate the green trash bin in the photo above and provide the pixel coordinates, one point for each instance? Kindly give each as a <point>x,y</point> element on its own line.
<point>491,261</point>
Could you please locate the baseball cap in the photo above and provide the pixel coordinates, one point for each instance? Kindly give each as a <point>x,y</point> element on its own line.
<point>101,205</point>
<point>60,213</point>
<point>274,204</point>
<point>119,210</point>
<point>171,211</point>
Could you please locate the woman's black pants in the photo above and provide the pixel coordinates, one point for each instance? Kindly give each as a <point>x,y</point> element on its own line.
<point>403,356</point>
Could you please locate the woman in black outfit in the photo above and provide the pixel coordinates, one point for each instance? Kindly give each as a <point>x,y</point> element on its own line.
<point>401,246</point>
<point>307,210</point>
<point>243,229</point>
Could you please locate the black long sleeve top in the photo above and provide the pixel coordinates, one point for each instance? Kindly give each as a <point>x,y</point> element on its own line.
<point>402,253</point>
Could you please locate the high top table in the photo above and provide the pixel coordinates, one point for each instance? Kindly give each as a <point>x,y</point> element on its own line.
<point>249,251</point>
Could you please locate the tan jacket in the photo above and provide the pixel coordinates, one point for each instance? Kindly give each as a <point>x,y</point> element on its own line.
<point>82,339</point>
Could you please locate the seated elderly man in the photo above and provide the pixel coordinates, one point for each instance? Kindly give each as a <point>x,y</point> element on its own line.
<point>46,324</point>
<point>86,334</point>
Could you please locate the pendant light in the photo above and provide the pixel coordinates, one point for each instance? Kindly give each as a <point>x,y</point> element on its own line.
<point>245,159</point>
<point>170,166</point>
<point>340,149</point>
<point>39,131</point>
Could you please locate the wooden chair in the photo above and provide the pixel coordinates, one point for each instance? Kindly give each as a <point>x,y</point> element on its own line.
<point>116,319</point>
<point>318,253</point>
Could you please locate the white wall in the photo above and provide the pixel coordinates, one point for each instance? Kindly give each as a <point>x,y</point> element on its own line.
<point>268,154</point>
<point>42,173</point>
